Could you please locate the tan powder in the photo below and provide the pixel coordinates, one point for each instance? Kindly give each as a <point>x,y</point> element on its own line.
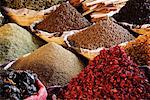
<point>52,63</point>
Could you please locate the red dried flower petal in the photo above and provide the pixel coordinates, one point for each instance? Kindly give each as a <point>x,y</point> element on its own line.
<point>111,75</point>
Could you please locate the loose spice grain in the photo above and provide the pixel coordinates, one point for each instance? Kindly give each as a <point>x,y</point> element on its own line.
<point>64,18</point>
<point>135,12</point>
<point>104,33</point>
<point>139,49</point>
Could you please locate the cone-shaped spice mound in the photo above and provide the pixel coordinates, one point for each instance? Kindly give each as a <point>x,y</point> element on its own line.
<point>135,12</point>
<point>105,33</point>
<point>53,64</point>
<point>64,18</point>
<point>14,42</point>
<point>111,75</point>
<point>139,49</point>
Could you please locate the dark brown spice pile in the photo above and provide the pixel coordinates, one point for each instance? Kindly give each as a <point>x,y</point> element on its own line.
<point>64,18</point>
<point>105,33</point>
<point>139,49</point>
<point>135,12</point>
<point>111,75</point>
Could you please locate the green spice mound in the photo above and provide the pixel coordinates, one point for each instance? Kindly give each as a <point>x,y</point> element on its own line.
<point>52,63</point>
<point>30,4</point>
<point>14,42</point>
<point>111,75</point>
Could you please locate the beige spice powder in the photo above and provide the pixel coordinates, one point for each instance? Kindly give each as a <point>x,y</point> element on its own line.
<point>53,64</point>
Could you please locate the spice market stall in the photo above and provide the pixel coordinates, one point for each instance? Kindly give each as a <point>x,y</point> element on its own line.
<point>74,49</point>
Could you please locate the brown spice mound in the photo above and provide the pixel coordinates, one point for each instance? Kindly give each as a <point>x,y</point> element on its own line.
<point>104,33</point>
<point>52,63</point>
<point>64,18</point>
<point>139,49</point>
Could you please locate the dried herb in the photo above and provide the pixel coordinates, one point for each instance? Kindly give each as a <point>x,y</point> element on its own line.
<point>111,75</point>
<point>139,49</point>
<point>135,12</point>
<point>15,85</point>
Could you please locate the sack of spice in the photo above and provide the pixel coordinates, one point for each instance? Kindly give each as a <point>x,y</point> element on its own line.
<point>1,19</point>
<point>42,92</point>
<point>64,18</point>
<point>98,9</point>
<point>18,85</point>
<point>104,34</point>
<point>53,91</point>
<point>110,75</point>
<point>24,16</point>
<point>75,3</point>
<point>142,30</point>
<point>135,14</point>
<point>146,70</point>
